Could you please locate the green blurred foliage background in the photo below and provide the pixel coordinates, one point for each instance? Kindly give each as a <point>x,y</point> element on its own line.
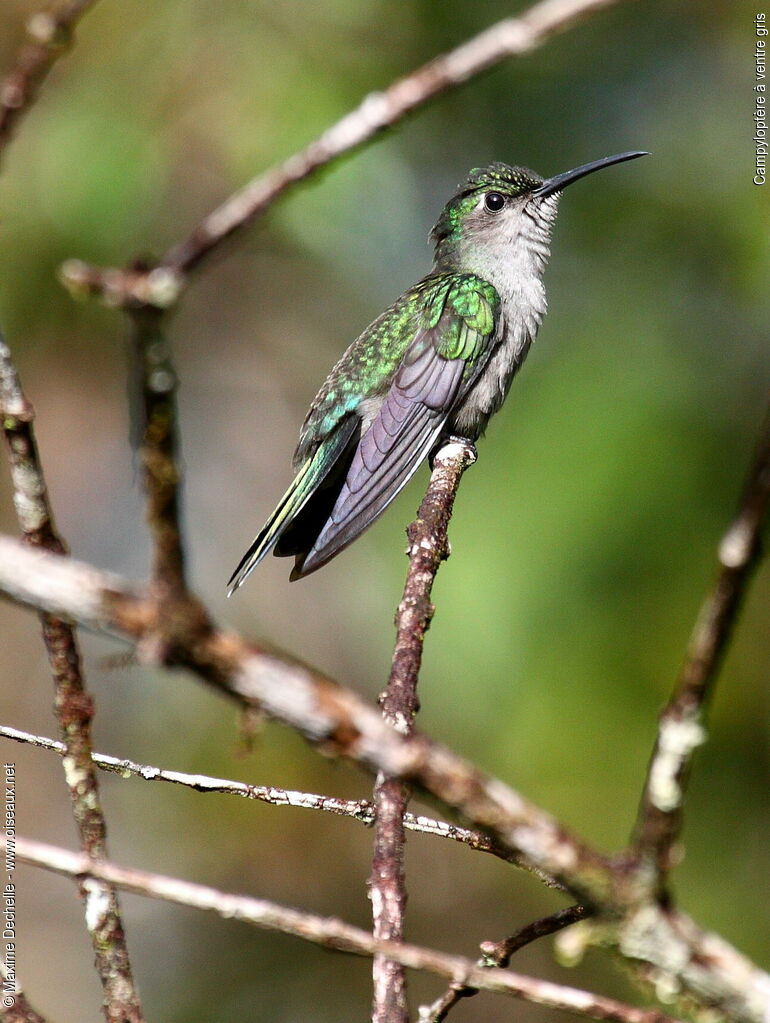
<point>584,538</point>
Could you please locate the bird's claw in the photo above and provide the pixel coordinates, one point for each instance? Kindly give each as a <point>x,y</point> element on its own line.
<point>451,438</point>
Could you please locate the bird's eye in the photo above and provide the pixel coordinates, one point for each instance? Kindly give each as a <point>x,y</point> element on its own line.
<point>494,202</point>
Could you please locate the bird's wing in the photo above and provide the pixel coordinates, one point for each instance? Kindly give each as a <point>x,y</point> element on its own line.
<point>449,350</point>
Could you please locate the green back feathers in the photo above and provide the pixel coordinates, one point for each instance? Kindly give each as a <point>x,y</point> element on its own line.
<point>462,307</point>
<point>464,310</point>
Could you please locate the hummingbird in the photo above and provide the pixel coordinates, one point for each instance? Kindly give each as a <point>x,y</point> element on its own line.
<point>437,364</point>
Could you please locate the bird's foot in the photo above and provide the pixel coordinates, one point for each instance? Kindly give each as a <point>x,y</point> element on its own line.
<point>449,440</point>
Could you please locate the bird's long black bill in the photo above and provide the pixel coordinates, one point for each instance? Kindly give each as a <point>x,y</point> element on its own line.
<point>560,181</point>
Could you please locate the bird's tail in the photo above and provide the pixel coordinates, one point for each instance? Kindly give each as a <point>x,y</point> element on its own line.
<point>310,476</point>
<point>289,506</point>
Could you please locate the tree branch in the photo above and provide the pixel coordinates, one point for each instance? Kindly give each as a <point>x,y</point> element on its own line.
<point>49,35</point>
<point>428,547</point>
<point>499,954</point>
<point>681,728</point>
<point>328,715</point>
<point>360,810</point>
<point>73,704</point>
<point>513,37</point>
<point>337,721</point>
<point>331,933</point>
<point>171,627</point>
<point>157,383</point>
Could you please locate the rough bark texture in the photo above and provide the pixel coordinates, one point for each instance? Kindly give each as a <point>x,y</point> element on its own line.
<point>681,729</point>
<point>72,703</point>
<point>653,936</point>
<point>428,547</point>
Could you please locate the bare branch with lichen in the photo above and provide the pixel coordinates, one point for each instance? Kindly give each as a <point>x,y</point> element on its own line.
<point>655,936</point>
<point>156,382</point>
<point>498,954</point>
<point>328,715</point>
<point>625,895</point>
<point>72,704</point>
<point>681,728</point>
<point>428,547</point>
<point>332,933</point>
<point>361,810</point>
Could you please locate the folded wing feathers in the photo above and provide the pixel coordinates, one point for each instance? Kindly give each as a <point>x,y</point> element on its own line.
<point>444,358</point>
<point>392,449</point>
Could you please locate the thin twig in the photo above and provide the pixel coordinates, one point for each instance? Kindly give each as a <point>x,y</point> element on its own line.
<point>178,610</point>
<point>681,728</point>
<point>512,37</point>
<point>498,954</point>
<point>428,547</point>
<point>73,704</point>
<point>331,933</point>
<point>335,719</point>
<point>157,384</point>
<point>49,35</point>
<point>361,810</point>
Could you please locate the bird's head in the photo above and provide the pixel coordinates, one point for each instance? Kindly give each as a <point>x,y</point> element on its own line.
<point>499,204</point>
